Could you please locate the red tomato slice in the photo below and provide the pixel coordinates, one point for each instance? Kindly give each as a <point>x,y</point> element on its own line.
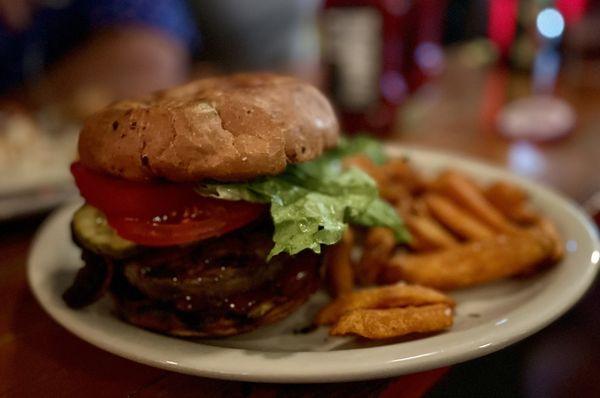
<point>115,196</point>
<point>214,220</point>
<point>161,214</point>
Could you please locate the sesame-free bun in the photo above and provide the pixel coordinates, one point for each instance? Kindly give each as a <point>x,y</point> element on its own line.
<point>224,128</point>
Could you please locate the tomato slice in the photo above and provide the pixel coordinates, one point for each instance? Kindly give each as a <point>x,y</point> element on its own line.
<point>115,196</point>
<point>217,221</point>
<point>161,214</point>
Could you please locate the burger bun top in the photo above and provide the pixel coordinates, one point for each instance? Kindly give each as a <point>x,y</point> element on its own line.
<point>232,128</point>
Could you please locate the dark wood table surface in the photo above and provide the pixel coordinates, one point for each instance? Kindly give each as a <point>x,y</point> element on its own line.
<point>39,358</point>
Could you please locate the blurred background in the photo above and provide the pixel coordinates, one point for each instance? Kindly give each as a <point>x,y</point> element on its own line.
<point>515,82</point>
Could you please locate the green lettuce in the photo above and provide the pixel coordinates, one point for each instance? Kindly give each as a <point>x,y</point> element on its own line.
<point>312,203</point>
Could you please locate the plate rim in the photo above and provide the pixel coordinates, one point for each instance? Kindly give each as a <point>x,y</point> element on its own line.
<point>394,365</point>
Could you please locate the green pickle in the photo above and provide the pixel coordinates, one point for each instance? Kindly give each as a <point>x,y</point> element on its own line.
<point>91,230</point>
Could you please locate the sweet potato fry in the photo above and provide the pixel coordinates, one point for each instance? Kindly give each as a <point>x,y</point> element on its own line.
<point>508,192</point>
<point>400,172</point>
<point>547,227</point>
<point>427,234</point>
<point>396,179</point>
<point>364,163</point>
<point>394,322</point>
<point>418,244</point>
<point>466,193</point>
<point>378,248</point>
<point>394,193</point>
<point>512,202</point>
<point>404,207</point>
<point>398,295</point>
<point>339,270</point>
<point>419,207</point>
<point>456,219</point>
<point>472,263</point>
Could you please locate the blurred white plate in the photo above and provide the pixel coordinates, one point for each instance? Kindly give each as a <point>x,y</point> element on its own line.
<point>488,317</point>
<point>35,153</point>
<point>37,199</point>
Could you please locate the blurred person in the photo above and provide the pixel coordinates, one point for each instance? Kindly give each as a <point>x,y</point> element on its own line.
<point>59,49</point>
<point>277,35</point>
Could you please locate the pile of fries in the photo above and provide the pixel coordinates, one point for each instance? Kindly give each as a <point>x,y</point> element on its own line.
<point>463,234</point>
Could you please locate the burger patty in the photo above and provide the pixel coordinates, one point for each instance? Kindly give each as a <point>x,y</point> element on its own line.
<point>207,272</point>
<point>218,287</point>
<point>245,310</point>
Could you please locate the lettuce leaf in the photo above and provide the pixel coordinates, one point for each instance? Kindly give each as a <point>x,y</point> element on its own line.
<point>361,144</point>
<point>312,203</point>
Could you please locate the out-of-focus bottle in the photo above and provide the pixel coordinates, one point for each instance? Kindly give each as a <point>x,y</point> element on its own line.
<point>363,55</point>
<point>375,53</point>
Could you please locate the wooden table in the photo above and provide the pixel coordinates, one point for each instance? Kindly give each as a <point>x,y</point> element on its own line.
<point>40,358</point>
<point>458,114</point>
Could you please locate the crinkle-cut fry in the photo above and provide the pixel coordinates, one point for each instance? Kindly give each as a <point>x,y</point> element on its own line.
<point>512,201</point>
<point>472,263</point>
<point>398,295</point>
<point>456,219</point>
<point>428,233</point>
<point>339,270</point>
<point>466,193</point>
<point>377,249</point>
<point>394,322</point>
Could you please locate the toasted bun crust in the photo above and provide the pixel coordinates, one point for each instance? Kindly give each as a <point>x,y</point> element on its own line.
<point>225,128</point>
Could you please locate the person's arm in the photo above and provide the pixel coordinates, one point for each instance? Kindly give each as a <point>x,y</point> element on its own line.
<point>119,61</point>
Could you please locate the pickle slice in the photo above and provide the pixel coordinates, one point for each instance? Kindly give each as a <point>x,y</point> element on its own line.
<point>91,230</point>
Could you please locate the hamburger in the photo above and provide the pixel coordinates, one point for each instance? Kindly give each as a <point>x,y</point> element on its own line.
<point>209,206</point>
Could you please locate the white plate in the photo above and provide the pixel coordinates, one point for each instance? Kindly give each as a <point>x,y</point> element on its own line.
<point>35,153</point>
<point>488,318</point>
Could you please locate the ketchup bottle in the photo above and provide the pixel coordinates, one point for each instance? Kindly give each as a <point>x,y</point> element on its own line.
<point>363,47</point>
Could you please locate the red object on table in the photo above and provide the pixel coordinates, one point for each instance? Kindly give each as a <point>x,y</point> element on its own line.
<point>414,385</point>
<point>572,10</point>
<point>502,24</point>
